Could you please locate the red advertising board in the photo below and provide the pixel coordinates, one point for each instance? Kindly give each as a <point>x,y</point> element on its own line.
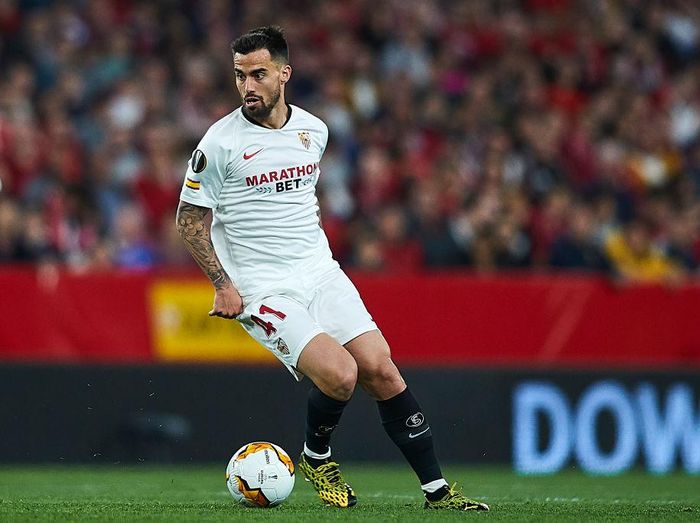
<point>435,320</point>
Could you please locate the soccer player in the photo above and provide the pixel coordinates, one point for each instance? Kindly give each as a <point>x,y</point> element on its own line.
<point>268,259</point>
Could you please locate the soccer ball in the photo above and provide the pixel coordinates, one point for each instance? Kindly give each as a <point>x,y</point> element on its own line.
<point>260,474</point>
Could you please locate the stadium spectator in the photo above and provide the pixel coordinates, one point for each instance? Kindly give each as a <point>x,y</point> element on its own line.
<point>10,232</point>
<point>132,246</point>
<point>400,252</point>
<point>634,257</point>
<point>430,226</point>
<point>578,248</point>
<point>367,253</point>
<point>683,240</point>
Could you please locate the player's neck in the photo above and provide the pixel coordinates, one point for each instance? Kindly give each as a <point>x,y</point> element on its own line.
<point>278,116</point>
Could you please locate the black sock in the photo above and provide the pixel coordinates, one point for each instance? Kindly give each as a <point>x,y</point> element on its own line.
<point>408,428</point>
<point>322,417</point>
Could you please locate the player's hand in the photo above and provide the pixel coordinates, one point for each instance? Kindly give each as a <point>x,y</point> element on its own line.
<point>227,303</point>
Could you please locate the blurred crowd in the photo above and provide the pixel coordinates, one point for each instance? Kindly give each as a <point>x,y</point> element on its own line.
<point>485,134</point>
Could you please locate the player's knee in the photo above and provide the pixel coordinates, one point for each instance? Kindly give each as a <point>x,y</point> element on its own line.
<point>384,372</point>
<point>382,379</point>
<point>342,380</point>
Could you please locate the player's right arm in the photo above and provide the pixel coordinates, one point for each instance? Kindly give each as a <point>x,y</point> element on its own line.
<point>194,231</point>
<point>206,171</point>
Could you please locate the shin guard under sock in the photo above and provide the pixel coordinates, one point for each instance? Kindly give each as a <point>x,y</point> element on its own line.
<point>322,417</point>
<point>408,428</point>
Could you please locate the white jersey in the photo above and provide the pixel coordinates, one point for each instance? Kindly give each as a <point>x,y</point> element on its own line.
<point>261,185</point>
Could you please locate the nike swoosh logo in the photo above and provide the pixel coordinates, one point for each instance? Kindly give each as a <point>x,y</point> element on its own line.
<point>411,435</point>
<point>249,156</point>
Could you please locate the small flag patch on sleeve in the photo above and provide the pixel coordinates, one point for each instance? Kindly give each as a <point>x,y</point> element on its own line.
<point>192,184</point>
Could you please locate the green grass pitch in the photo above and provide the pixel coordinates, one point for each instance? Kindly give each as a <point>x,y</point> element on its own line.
<point>386,493</point>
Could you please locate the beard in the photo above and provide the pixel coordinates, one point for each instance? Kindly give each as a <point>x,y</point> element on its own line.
<point>262,110</point>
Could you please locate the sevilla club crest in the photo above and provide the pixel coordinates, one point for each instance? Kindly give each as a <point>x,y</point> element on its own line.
<point>305,139</point>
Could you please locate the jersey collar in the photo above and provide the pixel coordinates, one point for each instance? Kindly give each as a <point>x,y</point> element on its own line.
<point>254,122</point>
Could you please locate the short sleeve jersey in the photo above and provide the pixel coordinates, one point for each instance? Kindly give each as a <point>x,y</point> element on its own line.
<point>261,186</point>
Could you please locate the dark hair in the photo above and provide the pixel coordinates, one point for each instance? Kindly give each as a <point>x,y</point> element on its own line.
<point>270,37</point>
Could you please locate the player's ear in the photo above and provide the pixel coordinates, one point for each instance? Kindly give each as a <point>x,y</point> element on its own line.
<point>285,73</point>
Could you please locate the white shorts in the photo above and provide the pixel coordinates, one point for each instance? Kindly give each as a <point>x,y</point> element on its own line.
<point>285,321</point>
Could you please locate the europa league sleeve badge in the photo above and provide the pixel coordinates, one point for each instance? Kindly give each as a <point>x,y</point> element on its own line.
<point>199,161</point>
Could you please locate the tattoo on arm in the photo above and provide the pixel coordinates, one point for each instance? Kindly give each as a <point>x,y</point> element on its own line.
<point>194,231</point>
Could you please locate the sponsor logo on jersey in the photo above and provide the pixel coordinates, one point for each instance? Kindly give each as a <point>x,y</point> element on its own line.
<point>305,139</point>
<point>288,173</point>
<point>193,184</point>
<point>199,161</point>
<point>416,420</point>
<point>247,156</point>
